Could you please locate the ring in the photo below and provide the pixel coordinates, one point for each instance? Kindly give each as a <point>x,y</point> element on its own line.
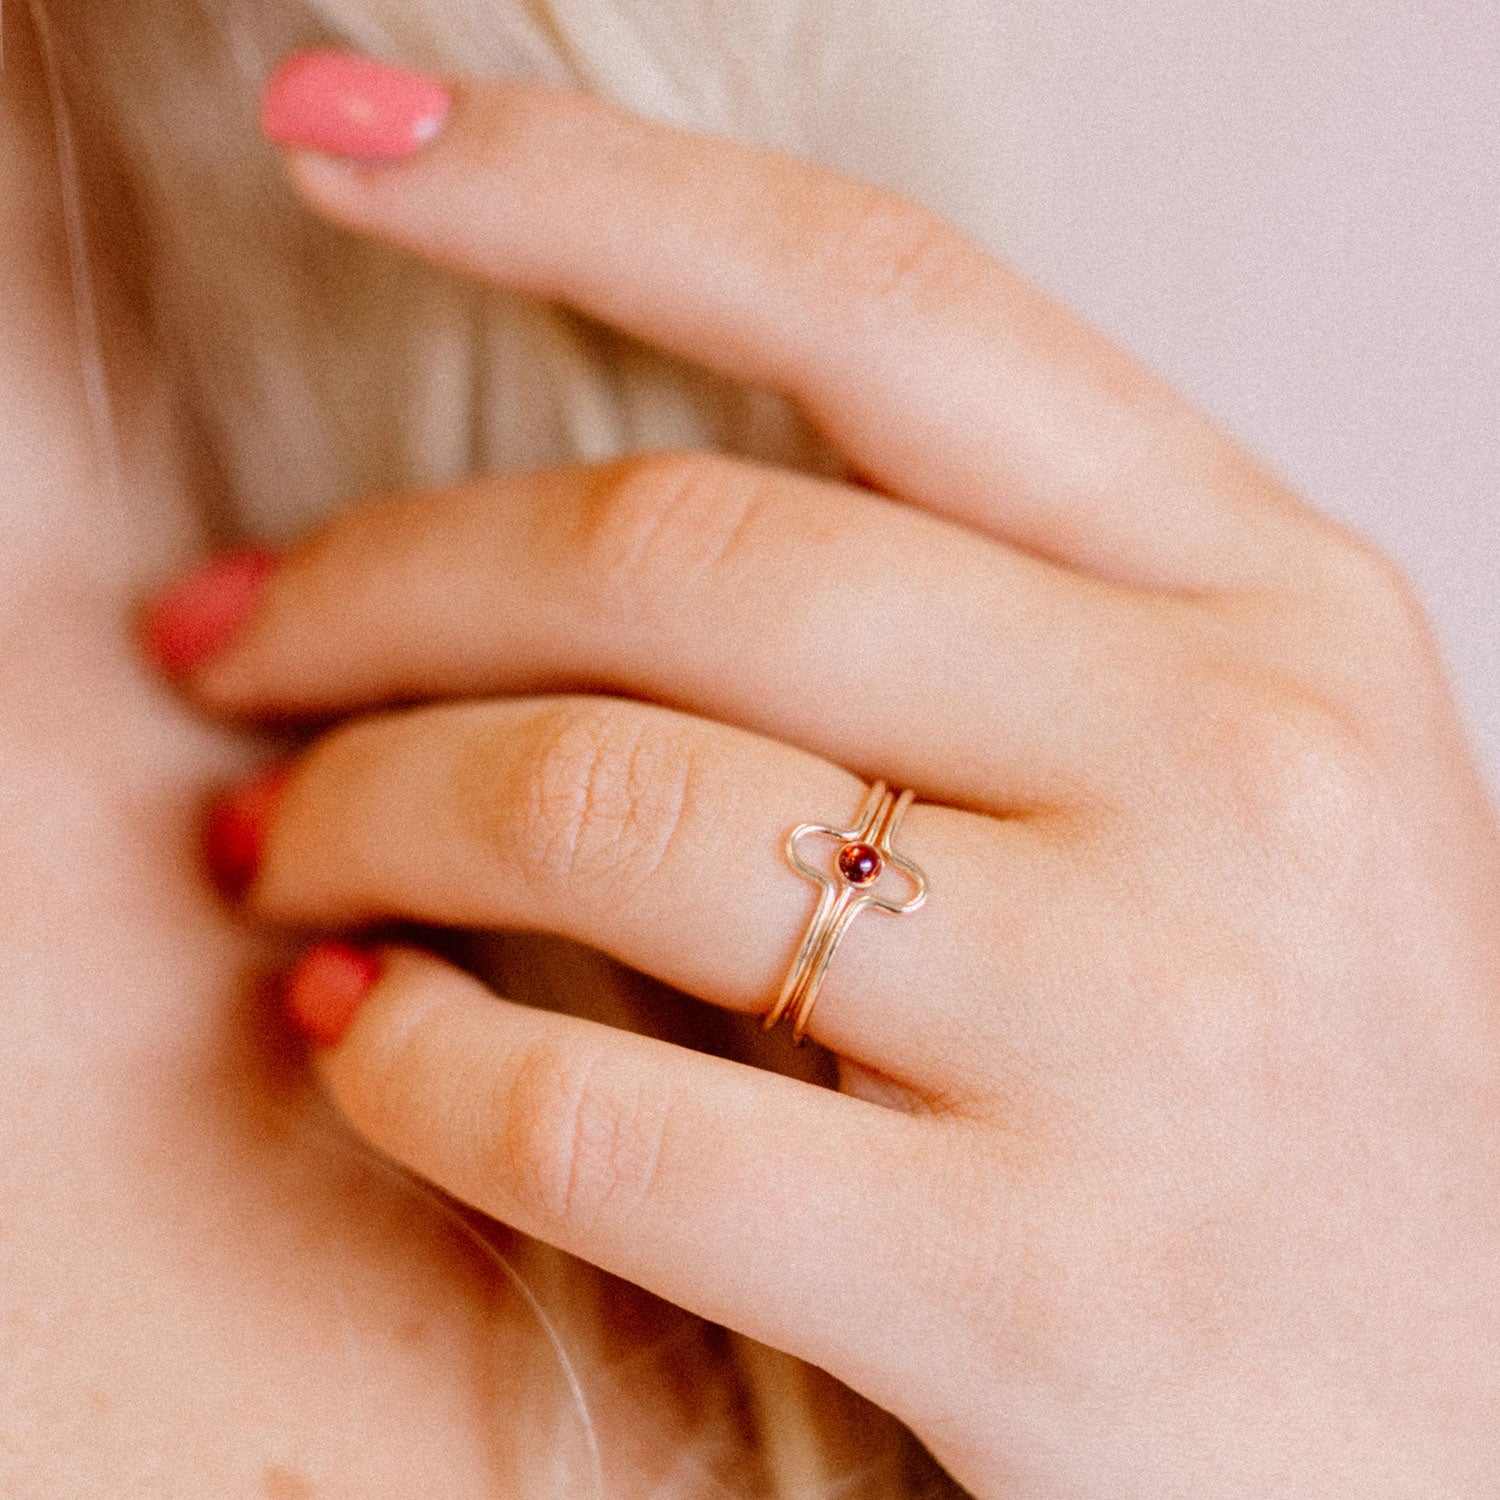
<point>863,856</point>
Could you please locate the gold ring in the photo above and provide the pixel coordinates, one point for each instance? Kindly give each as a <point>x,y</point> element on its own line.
<point>862,858</point>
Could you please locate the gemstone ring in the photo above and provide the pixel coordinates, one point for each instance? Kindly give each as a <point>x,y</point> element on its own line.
<point>864,856</point>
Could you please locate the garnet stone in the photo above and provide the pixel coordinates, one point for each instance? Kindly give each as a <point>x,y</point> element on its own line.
<point>859,864</point>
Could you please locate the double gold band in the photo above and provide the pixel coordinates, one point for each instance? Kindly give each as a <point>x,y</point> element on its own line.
<point>863,857</point>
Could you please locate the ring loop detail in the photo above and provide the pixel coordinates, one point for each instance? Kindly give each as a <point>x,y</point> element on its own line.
<point>862,859</point>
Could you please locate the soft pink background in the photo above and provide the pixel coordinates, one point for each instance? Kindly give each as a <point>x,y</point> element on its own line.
<point>1292,208</point>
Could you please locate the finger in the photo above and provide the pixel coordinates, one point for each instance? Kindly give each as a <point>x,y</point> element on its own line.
<point>885,639</point>
<point>942,375</point>
<point>660,839</point>
<point>763,1203</point>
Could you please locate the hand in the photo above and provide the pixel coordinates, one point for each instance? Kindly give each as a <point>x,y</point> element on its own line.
<point>1165,1159</point>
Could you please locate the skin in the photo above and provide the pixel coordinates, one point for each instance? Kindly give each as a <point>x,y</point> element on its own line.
<point>206,1288</point>
<point>1165,1158</point>
<point>193,1267</point>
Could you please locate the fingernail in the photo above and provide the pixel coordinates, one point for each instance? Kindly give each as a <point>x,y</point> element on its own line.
<point>324,992</point>
<point>235,835</point>
<point>198,617</point>
<point>349,106</point>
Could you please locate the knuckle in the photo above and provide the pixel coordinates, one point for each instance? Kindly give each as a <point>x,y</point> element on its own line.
<point>1360,636</point>
<point>887,249</point>
<point>575,1141</point>
<point>1281,765</point>
<point>601,798</point>
<point>660,525</point>
<point>1380,596</point>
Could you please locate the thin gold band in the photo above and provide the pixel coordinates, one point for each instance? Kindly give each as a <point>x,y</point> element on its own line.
<point>864,854</point>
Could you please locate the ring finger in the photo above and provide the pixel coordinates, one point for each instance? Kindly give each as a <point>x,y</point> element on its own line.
<point>658,838</point>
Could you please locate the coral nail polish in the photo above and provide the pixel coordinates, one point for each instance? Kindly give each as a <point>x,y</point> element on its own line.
<point>324,992</point>
<point>235,835</point>
<point>198,617</point>
<point>348,106</point>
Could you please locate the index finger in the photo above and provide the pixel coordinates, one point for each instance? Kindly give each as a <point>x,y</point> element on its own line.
<point>940,374</point>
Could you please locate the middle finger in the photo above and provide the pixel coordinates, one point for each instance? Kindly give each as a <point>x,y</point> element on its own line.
<point>883,638</point>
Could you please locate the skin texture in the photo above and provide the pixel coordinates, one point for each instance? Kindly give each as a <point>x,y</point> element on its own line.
<point>1165,1162</point>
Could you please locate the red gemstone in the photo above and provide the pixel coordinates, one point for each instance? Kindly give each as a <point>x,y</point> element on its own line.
<point>859,864</point>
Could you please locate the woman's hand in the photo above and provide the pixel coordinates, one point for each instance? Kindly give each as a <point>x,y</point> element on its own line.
<point>1167,1160</point>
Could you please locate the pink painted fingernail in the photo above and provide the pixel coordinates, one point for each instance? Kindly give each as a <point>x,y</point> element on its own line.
<point>196,618</point>
<point>343,105</point>
<point>324,992</point>
<point>235,834</point>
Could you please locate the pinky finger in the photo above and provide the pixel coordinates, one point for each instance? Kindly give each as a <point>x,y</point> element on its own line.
<point>787,1212</point>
